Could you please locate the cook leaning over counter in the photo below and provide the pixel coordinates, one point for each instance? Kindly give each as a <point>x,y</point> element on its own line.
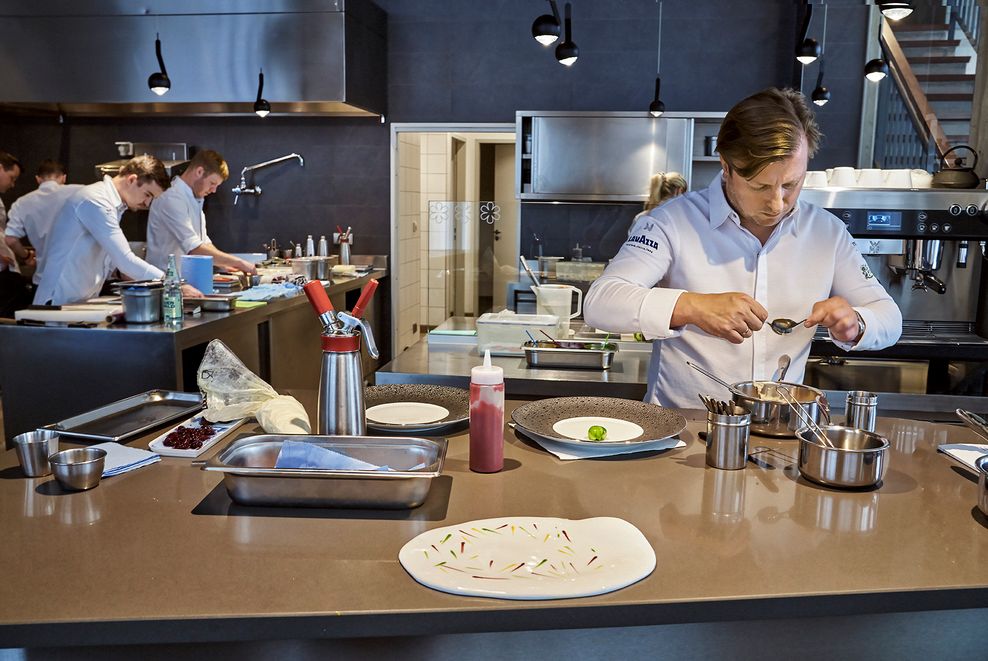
<point>722,258</point>
<point>177,223</point>
<point>86,242</point>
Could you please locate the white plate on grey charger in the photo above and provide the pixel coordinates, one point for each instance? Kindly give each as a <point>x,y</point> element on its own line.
<point>402,408</point>
<point>628,421</point>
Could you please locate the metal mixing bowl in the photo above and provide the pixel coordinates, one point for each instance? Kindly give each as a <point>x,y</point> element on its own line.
<point>859,458</point>
<point>770,414</point>
<point>78,469</point>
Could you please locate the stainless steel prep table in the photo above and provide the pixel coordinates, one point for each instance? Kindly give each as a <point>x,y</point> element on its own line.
<point>753,563</point>
<point>48,372</point>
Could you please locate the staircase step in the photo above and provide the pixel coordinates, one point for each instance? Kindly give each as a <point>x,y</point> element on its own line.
<point>928,32</point>
<point>939,59</point>
<point>932,43</point>
<point>950,96</point>
<point>945,77</point>
<point>919,27</point>
<point>958,139</point>
<point>955,126</point>
<point>950,68</point>
<point>948,87</point>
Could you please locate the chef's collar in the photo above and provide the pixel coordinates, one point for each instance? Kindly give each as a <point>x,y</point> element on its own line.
<point>48,184</point>
<point>721,210</point>
<point>115,198</point>
<point>187,191</point>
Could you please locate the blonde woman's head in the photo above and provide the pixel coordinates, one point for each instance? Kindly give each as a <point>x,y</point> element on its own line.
<point>664,186</point>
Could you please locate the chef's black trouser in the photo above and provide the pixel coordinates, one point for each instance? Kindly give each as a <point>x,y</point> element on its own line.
<point>16,293</point>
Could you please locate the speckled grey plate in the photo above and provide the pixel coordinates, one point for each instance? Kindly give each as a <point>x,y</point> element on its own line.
<point>454,400</point>
<point>539,417</point>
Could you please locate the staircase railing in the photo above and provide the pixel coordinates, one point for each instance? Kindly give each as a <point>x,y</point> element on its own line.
<point>908,133</point>
<point>965,14</point>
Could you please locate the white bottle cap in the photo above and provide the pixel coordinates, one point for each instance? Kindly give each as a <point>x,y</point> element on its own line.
<point>487,374</point>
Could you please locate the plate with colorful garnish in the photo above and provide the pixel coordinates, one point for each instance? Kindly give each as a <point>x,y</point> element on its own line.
<point>192,437</point>
<point>530,557</point>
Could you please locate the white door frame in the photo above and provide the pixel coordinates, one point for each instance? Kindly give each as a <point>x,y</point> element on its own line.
<point>416,127</point>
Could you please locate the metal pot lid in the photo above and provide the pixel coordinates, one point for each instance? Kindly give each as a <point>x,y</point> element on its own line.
<point>141,285</point>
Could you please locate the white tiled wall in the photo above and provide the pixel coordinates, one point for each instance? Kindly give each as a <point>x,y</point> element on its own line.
<point>436,216</point>
<point>409,232</point>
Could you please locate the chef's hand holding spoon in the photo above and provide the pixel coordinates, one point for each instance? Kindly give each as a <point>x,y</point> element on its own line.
<point>733,316</point>
<point>837,315</point>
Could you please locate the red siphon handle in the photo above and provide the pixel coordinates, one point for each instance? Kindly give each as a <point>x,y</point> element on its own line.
<point>365,297</point>
<point>317,296</point>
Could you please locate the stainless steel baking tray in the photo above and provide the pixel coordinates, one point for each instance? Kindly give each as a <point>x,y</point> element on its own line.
<point>213,303</point>
<point>250,477</point>
<point>131,416</point>
<point>569,355</point>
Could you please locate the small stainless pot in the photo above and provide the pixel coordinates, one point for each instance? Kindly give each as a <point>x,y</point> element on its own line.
<point>982,464</point>
<point>307,266</point>
<point>859,459</point>
<point>142,301</point>
<point>771,415</point>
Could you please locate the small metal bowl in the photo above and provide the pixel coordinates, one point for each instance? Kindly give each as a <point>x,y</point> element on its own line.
<point>78,469</point>
<point>858,460</point>
<point>982,464</point>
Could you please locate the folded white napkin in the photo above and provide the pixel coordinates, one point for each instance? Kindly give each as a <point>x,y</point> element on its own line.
<point>121,458</point>
<point>966,453</point>
<point>568,452</point>
<point>299,454</point>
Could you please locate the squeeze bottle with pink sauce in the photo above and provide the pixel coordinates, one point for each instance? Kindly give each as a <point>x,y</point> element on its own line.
<point>486,417</point>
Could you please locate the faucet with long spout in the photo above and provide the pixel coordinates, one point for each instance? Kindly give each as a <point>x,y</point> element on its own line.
<point>242,189</point>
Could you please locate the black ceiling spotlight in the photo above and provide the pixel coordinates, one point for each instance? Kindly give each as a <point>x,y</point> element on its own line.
<point>876,70</point>
<point>821,94</point>
<point>808,49</point>
<point>261,106</point>
<point>567,52</point>
<point>656,107</point>
<point>895,10</point>
<point>546,27</point>
<point>158,82</point>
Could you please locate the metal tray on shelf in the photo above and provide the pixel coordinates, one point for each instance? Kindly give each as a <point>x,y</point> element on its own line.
<point>213,303</point>
<point>131,416</point>
<point>250,476</point>
<point>570,355</point>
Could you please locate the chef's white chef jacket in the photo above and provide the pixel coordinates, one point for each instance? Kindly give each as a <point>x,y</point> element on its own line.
<point>86,244</point>
<point>4,248</point>
<point>176,224</point>
<point>33,215</point>
<point>695,243</point>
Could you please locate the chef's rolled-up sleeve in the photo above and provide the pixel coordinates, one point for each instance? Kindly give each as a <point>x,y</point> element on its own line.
<point>624,299</point>
<point>102,223</point>
<point>855,282</point>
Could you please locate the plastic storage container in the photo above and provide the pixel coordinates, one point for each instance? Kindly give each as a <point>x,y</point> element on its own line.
<point>503,333</point>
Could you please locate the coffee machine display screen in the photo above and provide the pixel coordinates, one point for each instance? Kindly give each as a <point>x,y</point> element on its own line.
<point>889,221</point>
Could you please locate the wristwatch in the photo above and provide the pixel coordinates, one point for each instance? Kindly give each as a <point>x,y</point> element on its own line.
<point>861,327</point>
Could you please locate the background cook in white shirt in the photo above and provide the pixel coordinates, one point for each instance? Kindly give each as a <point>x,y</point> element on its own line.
<point>31,216</point>
<point>10,170</point>
<point>724,256</point>
<point>86,241</point>
<point>177,224</point>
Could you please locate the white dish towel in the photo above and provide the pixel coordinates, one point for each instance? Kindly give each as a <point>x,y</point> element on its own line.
<point>121,458</point>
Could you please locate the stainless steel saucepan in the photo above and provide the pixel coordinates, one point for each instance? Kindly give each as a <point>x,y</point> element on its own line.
<point>770,413</point>
<point>859,459</point>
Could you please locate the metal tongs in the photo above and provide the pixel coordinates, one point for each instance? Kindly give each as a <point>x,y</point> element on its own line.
<point>804,417</point>
<point>975,422</point>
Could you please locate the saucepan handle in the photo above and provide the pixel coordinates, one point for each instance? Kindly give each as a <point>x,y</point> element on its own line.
<point>975,422</point>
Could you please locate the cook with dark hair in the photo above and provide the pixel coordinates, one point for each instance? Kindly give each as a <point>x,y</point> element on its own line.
<point>699,274</point>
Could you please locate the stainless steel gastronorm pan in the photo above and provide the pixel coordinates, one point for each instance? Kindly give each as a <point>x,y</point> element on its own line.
<point>593,359</point>
<point>250,477</point>
<point>131,416</point>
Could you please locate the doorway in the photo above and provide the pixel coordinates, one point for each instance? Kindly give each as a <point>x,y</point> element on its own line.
<point>455,224</point>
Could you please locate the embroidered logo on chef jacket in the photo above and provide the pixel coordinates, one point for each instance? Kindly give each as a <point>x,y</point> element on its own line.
<point>866,272</point>
<point>643,242</point>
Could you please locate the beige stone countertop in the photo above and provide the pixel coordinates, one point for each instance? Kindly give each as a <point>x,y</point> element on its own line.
<point>161,554</point>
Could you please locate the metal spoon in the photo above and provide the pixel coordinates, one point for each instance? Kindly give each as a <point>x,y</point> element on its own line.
<point>719,380</point>
<point>784,361</point>
<point>784,326</point>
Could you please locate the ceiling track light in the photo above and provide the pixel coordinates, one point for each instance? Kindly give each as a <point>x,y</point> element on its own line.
<point>546,27</point>
<point>261,106</point>
<point>876,70</point>
<point>158,82</point>
<point>567,52</point>
<point>656,108</point>
<point>821,95</point>
<point>808,50</point>
<point>895,10</point>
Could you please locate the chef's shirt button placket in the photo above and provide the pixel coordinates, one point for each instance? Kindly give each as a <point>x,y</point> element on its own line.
<point>759,349</point>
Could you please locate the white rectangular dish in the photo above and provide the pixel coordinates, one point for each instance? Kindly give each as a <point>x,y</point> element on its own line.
<point>221,431</point>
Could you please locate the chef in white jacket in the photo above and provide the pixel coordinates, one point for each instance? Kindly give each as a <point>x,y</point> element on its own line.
<point>177,223</point>
<point>702,273</point>
<point>86,243</point>
<point>10,170</point>
<point>31,216</point>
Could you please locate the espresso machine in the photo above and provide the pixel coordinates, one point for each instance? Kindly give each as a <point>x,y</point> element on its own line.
<point>927,248</point>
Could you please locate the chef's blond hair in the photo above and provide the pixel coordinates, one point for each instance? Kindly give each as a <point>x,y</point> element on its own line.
<point>764,128</point>
<point>664,185</point>
<point>211,163</point>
